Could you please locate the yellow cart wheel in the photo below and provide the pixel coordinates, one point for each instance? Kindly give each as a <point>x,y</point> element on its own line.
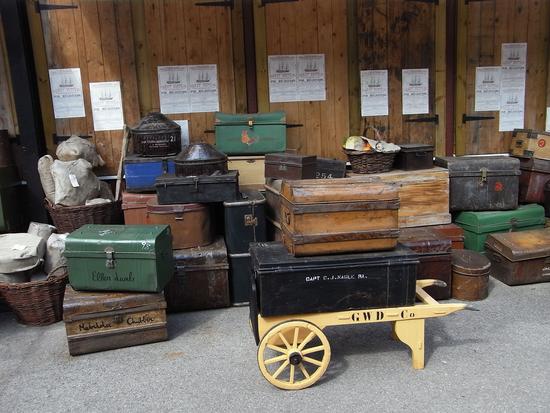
<point>293,355</point>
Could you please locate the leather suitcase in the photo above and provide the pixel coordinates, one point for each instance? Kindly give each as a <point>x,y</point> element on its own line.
<point>535,173</point>
<point>97,321</point>
<point>201,278</point>
<point>520,257</point>
<point>286,285</point>
<point>434,254</point>
<point>423,195</point>
<point>337,218</point>
<point>482,183</point>
<point>450,231</point>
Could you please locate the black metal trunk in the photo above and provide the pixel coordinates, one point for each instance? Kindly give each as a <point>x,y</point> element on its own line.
<point>244,221</point>
<point>482,183</point>
<point>239,278</point>
<point>289,285</point>
<point>197,189</point>
<point>414,156</point>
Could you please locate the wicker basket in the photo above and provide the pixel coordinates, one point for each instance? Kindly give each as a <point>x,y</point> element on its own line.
<point>70,218</point>
<point>37,303</point>
<point>370,162</point>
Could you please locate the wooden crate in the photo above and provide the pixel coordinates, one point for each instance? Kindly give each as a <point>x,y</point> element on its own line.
<point>423,195</point>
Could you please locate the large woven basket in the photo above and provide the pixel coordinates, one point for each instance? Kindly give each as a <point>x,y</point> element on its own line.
<point>37,303</point>
<point>370,162</point>
<point>70,218</point>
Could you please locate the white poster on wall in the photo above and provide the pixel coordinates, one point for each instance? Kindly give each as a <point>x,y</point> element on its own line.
<point>512,86</point>
<point>106,106</point>
<point>310,77</point>
<point>487,97</point>
<point>547,119</point>
<point>374,92</point>
<point>67,95</point>
<point>203,88</point>
<point>173,89</point>
<point>296,78</point>
<point>184,125</point>
<point>415,91</point>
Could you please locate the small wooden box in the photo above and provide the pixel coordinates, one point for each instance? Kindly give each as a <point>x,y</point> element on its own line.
<point>527,143</point>
<point>98,321</point>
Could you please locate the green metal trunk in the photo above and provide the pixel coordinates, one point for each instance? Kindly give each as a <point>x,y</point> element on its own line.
<point>260,133</point>
<point>120,257</point>
<point>478,225</point>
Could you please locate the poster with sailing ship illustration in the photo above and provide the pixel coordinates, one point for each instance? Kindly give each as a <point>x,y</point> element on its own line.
<point>296,78</point>
<point>67,96</point>
<point>512,86</point>
<point>173,89</point>
<point>415,91</point>
<point>106,102</point>
<point>374,92</point>
<point>203,88</point>
<point>487,96</point>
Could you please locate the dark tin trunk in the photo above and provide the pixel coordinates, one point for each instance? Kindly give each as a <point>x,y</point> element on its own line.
<point>197,189</point>
<point>414,156</point>
<point>290,166</point>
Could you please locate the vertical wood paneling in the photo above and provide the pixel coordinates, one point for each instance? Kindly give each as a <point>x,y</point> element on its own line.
<point>314,27</point>
<point>8,117</point>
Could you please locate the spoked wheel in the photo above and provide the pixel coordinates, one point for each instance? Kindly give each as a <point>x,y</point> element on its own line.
<point>293,355</point>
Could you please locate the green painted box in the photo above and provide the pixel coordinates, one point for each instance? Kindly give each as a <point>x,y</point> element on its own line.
<point>120,257</point>
<point>478,225</point>
<point>258,134</point>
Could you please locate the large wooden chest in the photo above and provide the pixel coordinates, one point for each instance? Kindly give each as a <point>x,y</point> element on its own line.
<point>336,218</point>
<point>535,173</point>
<point>482,183</point>
<point>423,195</point>
<point>450,231</point>
<point>286,285</point>
<point>478,225</point>
<point>434,254</point>
<point>120,257</point>
<point>201,279</point>
<point>96,321</point>
<point>520,257</point>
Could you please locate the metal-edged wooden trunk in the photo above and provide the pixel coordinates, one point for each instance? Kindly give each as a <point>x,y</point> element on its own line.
<point>201,278</point>
<point>288,165</point>
<point>434,255</point>
<point>260,133</point>
<point>140,172</point>
<point>197,189</point>
<point>482,183</point>
<point>414,156</point>
<point>478,225</point>
<point>527,143</point>
<point>470,275</point>
<point>286,285</point>
<point>97,321</point>
<point>190,223</point>
<point>449,231</point>
<point>423,195</point>
<point>535,173</point>
<point>328,219</point>
<point>520,257</point>
<point>120,257</point>
<point>134,206</point>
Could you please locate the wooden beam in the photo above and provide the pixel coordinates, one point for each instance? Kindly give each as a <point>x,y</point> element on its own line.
<point>262,80</point>
<point>240,51</point>
<point>461,77</point>
<point>143,63</point>
<point>353,71</point>
<point>440,76</point>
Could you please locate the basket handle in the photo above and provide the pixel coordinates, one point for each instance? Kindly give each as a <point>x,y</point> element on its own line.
<point>377,134</point>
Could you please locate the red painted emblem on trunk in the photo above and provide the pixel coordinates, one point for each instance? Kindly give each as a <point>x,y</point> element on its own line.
<point>498,186</point>
<point>541,143</point>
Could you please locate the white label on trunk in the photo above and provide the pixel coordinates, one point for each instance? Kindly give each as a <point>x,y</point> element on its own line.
<point>74,181</point>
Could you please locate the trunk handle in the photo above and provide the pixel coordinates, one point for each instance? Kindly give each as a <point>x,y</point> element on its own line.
<point>421,154</point>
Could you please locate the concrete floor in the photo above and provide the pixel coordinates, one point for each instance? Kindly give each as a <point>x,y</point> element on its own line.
<point>494,360</point>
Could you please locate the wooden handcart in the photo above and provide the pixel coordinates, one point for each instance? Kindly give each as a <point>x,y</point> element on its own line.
<point>294,353</point>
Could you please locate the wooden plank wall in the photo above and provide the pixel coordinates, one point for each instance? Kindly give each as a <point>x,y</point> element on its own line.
<point>483,27</point>
<point>308,27</point>
<point>96,36</point>
<point>8,117</point>
<point>394,36</point>
<point>174,32</point>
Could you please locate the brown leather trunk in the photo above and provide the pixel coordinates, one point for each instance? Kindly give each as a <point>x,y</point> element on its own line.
<point>201,278</point>
<point>134,207</point>
<point>338,218</point>
<point>535,173</point>
<point>97,321</point>
<point>450,231</point>
<point>470,275</point>
<point>434,254</point>
<point>520,257</point>
<point>190,223</point>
